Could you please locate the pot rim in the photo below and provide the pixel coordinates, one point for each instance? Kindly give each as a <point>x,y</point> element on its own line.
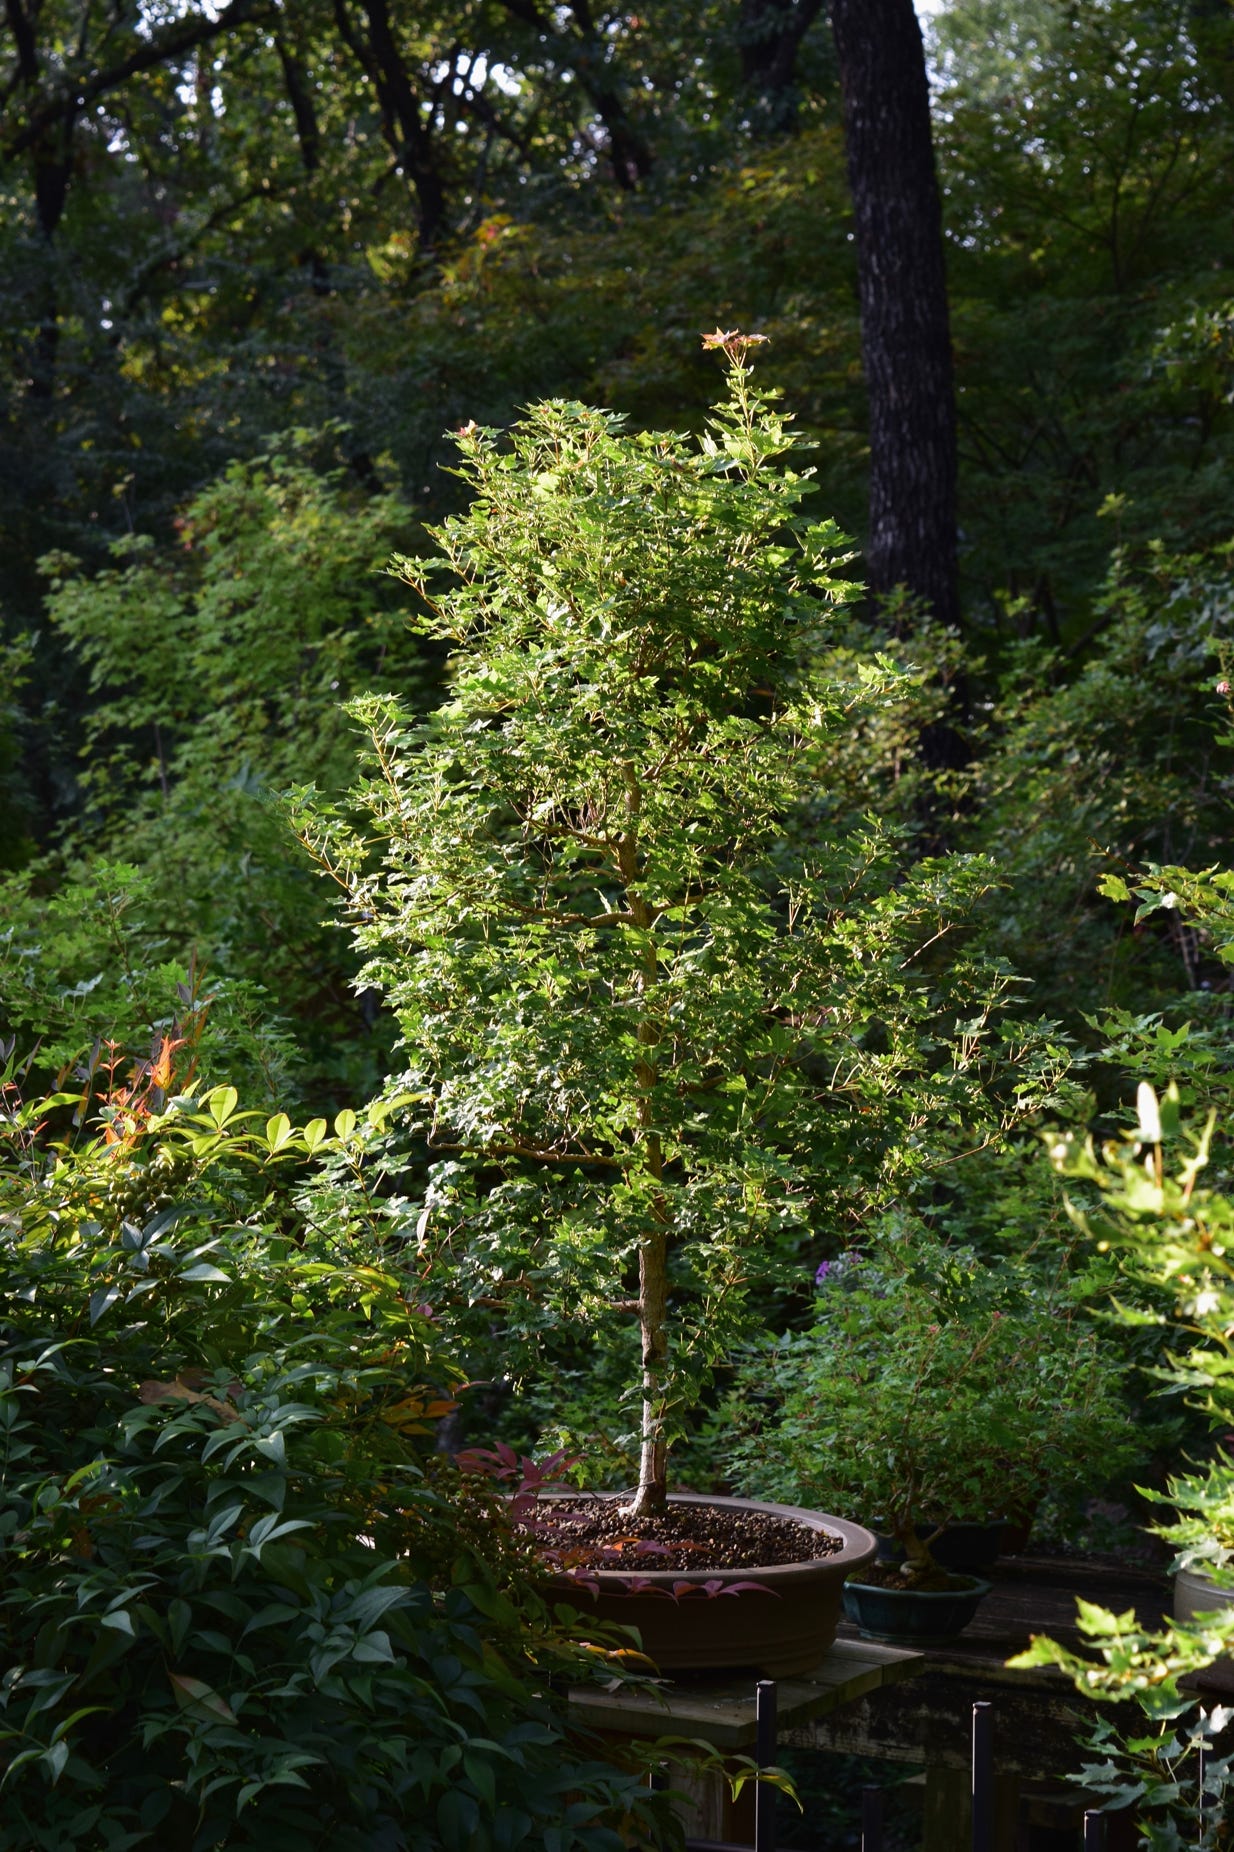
<point>1204,1578</point>
<point>975,1585</point>
<point>859,1543</point>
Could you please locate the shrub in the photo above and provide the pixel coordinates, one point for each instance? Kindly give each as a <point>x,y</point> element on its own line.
<point>218,666</point>
<point>927,1392</point>
<point>243,1606</point>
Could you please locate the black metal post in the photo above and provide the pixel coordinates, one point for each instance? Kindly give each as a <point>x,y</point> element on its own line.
<point>1201,1808</point>
<point>983,1777</point>
<point>765,1755</point>
<point>871,1820</point>
<point>1094,1832</point>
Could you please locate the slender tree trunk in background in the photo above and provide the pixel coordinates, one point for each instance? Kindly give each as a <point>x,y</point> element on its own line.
<point>53,172</point>
<point>405,131</point>
<point>53,110</point>
<point>53,168</point>
<point>299,90</point>
<point>769,35</point>
<point>628,153</point>
<point>902,287</point>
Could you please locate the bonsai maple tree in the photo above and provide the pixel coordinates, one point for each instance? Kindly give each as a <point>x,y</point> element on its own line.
<point>572,882</point>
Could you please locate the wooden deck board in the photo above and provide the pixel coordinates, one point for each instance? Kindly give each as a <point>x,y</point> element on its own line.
<point>720,1711</point>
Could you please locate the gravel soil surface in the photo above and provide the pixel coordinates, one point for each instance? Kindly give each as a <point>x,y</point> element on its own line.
<point>602,1535</point>
<point>940,1581</point>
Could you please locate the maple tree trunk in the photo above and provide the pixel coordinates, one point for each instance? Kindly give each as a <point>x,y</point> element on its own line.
<point>652,1491</point>
<point>653,1248</point>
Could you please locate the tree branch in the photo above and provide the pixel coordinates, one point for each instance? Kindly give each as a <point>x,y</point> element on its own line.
<point>536,1154</point>
<point>173,42</point>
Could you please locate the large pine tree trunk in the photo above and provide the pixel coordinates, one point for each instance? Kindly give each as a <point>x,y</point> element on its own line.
<point>905,335</point>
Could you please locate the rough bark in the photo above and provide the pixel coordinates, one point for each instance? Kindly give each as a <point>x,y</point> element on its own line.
<point>300,96</point>
<point>902,288</point>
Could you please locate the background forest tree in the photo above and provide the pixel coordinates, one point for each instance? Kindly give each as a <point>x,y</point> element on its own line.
<point>365,225</point>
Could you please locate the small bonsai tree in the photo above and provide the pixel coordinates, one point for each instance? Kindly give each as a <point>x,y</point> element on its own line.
<point>571,883</point>
<point>929,1393</point>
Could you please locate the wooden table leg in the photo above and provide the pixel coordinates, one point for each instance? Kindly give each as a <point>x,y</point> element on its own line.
<point>703,1807</point>
<point>948,1813</point>
<point>948,1810</point>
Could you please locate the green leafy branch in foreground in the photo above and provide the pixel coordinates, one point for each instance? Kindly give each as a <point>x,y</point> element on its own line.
<point>244,1603</point>
<point>1181,1235</point>
<point>1157,1770</point>
<point>1137,1662</point>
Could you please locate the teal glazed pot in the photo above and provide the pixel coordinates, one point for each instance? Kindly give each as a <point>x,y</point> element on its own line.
<point>912,1616</point>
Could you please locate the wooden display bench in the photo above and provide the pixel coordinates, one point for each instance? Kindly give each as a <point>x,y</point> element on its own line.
<point>719,1710</point>
<point>1037,1715</point>
<point>915,1708</point>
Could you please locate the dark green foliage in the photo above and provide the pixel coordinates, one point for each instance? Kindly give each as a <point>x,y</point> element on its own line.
<point>242,1606</point>
<point>218,669</point>
<point>1125,761</point>
<point>929,1388</point>
<point>1084,151</point>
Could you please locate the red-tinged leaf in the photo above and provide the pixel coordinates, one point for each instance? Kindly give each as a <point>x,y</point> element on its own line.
<point>715,1587</point>
<point>190,1691</point>
<point>160,1069</point>
<point>583,1578</point>
<point>499,1463</point>
<point>643,1585</point>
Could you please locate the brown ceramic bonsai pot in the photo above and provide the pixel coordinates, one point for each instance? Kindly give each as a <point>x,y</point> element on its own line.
<point>782,1628</point>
